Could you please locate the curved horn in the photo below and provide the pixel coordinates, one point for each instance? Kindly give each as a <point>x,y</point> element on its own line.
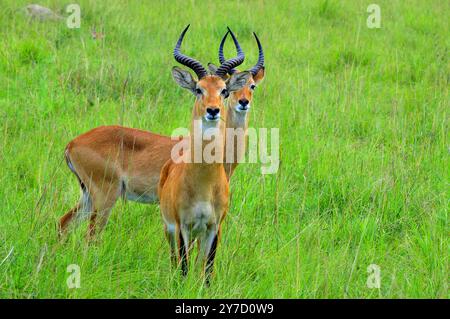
<point>188,61</point>
<point>221,56</point>
<point>230,64</point>
<point>260,62</point>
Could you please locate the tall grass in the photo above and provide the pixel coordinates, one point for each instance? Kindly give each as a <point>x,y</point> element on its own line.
<point>363,118</point>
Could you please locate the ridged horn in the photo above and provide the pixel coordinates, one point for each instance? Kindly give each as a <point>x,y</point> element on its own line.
<point>221,56</point>
<point>227,65</point>
<point>191,63</point>
<point>260,64</point>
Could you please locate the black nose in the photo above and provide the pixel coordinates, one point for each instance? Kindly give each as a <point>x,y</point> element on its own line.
<point>213,111</point>
<point>243,102</point>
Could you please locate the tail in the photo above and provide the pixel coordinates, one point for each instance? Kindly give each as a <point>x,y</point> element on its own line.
<point>69,163</point>
<point>85,204</point>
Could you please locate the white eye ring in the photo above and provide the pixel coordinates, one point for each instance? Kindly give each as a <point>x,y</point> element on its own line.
<point>252,86</point>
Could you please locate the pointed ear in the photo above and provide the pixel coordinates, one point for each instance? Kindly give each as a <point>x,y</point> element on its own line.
<point>212,68</point>
<point>184,78</point>
<point>238,80</point>
<point>258,77</point>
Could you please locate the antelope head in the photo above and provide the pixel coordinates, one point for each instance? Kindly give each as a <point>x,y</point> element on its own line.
<point>240,100</point>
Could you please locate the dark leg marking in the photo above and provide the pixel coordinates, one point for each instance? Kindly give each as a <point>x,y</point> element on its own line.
<point>183,255</point>
<point>210,260</point>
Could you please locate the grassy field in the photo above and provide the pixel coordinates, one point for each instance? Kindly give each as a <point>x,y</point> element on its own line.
<point>363,118</point>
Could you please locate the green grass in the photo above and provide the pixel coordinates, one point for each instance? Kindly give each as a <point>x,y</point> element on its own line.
<point>363,118</point>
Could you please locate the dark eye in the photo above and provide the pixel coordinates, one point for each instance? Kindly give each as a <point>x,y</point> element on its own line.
<point>252,87</point>
<point>198,91</point>
<point>225,93</point>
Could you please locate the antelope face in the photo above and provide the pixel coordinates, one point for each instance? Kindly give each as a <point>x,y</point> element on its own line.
<point>241,100</point>
<point>210,92</point>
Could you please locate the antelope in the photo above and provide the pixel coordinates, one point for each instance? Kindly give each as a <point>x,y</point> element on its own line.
<point>115,161</point>
<point>239,104</point>
<point>194,195</point>
<point>111,162</point>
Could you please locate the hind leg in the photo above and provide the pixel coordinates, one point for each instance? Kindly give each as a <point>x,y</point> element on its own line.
<point>100,177</point>
<point>67,219</point>
<point>104,198</point>
<point>74,215</point>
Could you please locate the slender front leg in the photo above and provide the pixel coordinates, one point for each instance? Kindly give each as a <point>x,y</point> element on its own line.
<point>208,249</point>
<point>183,245</point>
<point>210,260</point>
<point>169,231</point>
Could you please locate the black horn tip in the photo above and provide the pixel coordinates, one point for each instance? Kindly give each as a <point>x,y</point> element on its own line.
<point>223,39</point>
<point>180,39</point>
<point>257,39</point>
<point>232,34</point>
<point>185,30</point>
